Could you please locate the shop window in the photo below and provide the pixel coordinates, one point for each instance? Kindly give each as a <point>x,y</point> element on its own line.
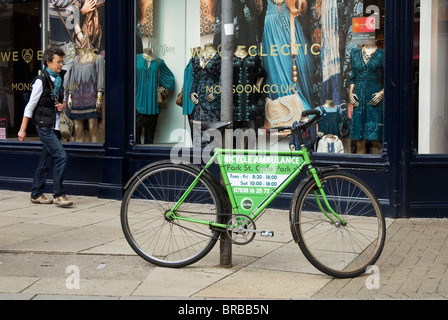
<point>76,26</point>
<point>20,61</point>
<point>160,55</point>
<point>431,76</point>
<point>332,57</point>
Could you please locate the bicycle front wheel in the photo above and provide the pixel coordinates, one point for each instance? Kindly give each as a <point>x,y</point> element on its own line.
<point>340,248</point>
<point>163,241</point>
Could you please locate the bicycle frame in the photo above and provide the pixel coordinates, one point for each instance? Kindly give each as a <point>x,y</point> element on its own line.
<point>304,163</point>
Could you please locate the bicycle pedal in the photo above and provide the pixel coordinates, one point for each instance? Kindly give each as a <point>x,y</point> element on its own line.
<point>267,234</point>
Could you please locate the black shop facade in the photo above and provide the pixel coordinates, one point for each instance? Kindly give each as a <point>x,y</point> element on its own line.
<point>377,68</point>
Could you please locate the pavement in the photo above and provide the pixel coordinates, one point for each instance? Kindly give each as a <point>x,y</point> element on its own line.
<point>79,253</point>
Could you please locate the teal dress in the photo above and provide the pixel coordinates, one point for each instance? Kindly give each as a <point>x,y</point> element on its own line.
<point>147,81</point>
<point>279,64</point>
<point>367,120</point>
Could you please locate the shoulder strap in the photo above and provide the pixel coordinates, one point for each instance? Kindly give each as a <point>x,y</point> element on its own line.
<point>292,25</point>
<point>65,25</point>
<point>323,111</point>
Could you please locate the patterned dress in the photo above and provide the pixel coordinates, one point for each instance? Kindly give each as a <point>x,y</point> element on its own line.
<point>246,72</point>
<point>206,79</point>
<point>367,120</point>
<point>85,80</point>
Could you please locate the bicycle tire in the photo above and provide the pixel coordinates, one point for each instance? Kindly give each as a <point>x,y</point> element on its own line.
<point>341,251</point>
<point>170,242</point>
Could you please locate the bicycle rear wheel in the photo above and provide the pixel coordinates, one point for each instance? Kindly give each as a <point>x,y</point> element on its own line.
<point>340,250</point>
<point>170,242</point>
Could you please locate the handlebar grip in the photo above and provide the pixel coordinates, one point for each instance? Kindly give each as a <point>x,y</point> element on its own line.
<point>314,112</point>
<point>278,129</point>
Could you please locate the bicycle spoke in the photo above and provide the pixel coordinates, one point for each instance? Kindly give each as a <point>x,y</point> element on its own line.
<point>164,240</point>
<point>339,249</point>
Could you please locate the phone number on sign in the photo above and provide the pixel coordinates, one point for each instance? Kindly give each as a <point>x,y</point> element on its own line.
<point>252,190</point>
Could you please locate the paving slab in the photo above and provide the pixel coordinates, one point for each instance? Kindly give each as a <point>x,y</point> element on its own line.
<point>39,244</point>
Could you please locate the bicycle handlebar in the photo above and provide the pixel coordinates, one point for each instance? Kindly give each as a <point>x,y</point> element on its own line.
<point>313,112</point>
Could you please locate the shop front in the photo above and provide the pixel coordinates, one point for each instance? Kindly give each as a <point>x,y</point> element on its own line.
<point>142,75</point>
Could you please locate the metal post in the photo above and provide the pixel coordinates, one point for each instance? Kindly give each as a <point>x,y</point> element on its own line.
<point>227,49</point>
<point>44,26</point>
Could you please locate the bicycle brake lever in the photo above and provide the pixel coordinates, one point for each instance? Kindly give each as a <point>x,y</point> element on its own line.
<point>278,129</point>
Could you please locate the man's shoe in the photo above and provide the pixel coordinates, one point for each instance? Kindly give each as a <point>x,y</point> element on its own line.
<point>41,200</point>
<point>62,201</point>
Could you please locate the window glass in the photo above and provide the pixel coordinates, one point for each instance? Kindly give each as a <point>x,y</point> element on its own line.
<point>348,81</point>
<point>20,61</point>
<point>288,56</point>
<point>160,59</point>
<point>431,73</point>
<point>76,26</point>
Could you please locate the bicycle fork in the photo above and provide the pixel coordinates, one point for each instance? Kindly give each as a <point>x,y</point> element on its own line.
<point>319,190</point>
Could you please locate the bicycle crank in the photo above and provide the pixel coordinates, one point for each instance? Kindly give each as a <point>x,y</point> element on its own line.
<point>241,230</point>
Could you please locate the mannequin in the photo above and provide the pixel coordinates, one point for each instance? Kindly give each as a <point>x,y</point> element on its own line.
<point>330,143</point>
<point>366,95</point>
<point>205,81</point>
<point>86,93</point>
<point>146,123</point>
<point>187,103</point>
<point>241,52</point>
<point>149,56</point>
<point>331,122</point>
<point>207,54</point>
<point>248,77</point>
<point>150,73</point>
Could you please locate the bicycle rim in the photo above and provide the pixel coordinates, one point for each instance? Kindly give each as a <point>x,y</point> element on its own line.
<point>169,242</point>
<point>340,250</point>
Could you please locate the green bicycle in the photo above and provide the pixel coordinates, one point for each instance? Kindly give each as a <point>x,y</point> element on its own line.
<point>173,214</point>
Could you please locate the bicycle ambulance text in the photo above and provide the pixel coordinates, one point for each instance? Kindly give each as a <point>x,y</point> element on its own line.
<point>235,159</point>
